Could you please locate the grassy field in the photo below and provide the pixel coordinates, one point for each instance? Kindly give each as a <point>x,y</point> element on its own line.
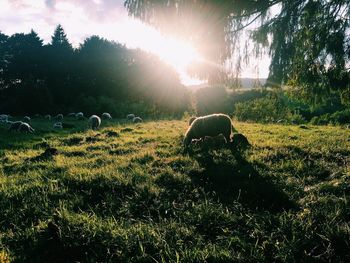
<point>127,193</point>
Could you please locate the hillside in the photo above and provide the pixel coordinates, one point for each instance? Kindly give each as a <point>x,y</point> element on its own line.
<point>127,193</point>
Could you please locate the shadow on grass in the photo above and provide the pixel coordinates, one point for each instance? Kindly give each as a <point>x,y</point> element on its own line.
<point>227,173</point>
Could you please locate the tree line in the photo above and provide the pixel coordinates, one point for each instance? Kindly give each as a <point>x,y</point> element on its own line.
<point>99,75</point>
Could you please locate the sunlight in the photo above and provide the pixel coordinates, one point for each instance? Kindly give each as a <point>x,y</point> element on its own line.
<point>177,53</point>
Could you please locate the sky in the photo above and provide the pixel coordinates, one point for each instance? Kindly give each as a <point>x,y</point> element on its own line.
<point>106,18</point>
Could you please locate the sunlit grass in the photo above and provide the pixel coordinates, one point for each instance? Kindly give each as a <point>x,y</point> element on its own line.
<point>127,193</point>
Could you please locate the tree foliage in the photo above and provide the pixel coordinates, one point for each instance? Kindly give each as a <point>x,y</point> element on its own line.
<point>98,76</point>
<point>308,40</point>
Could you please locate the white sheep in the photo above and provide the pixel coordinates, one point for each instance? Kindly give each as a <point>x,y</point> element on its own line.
<point>79,116</point>
<point>48,117</point>
<point>3,118</point>
<point>94,122</point>
<point>106,116</point>
<point>58,125</point>
<point>26,118</point>
<point>59,117</point>
<point>210,125</point>
<point>130,116</point>
<point>25,127</point>
<point>137,120</point>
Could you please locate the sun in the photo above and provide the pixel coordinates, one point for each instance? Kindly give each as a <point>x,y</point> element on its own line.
<point>176,53</point>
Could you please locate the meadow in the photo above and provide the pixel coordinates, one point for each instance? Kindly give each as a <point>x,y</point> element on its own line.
<point>128,193</point>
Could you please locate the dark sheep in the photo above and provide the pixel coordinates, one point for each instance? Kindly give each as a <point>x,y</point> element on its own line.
<point>210,125</point>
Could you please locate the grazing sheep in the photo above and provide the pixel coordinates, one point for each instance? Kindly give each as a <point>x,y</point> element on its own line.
<point>210,142</point>
<point>26,118</point>
<point>15,125</point>
<point>58,125</point>
<point>239,141</point>
<point>106,116</point>
<point>59,117</point>
<point>210,125</point>
<point>79,116</point>
<point>94,122</point>
<point>130,116</point>
<point>215,141</point>
<point>191,120</point>
<point>137,120</point>
<point>48,117</point>
<point>25,127</point>
<point>72,114</point>
<point>36,115</point>
<point>3,118</point>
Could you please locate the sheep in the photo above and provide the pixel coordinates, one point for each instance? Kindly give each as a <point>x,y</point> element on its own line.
<point>3,118</point>
<point>59,117</point>
<point>191,120</point>
<point>25,127</point>
<point>210,125</point>
<point>58,125</point>
<point>137,120</point>
<point>72,114</point>
<point>48,117</point>
<point>130,116</point>
<point>94,122</point>
<point>106,116</point>
<point>26,118</point>
<point>79,116</point>
<point>36,115</point>
<point>15,125</point>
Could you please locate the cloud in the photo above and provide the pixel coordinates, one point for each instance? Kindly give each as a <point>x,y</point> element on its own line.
<point>99,10</point>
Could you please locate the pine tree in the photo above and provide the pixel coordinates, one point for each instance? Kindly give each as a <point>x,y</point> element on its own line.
<point>59,39</point>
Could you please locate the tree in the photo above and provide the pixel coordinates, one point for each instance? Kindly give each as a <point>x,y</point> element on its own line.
<point>310,40</point>
<point>60,64</point>
<point>60,40</point>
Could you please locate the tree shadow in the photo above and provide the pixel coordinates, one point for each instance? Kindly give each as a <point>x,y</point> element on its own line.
<point>235,179</point>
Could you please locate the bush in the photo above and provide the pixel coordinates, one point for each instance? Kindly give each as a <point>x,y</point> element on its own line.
<point>268,109</point>
<point>338,117</point>
<point>210,100</point>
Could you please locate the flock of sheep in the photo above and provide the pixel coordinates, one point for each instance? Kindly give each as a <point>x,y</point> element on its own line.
<point>214,127</point>
<point>94,121</point>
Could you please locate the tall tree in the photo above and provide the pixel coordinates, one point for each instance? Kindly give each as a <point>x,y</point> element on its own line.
<point>59,39</point>
<point>310,40</point>
<point>60,66</point>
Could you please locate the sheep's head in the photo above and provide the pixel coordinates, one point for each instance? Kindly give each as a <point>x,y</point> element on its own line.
<point>188,138</point>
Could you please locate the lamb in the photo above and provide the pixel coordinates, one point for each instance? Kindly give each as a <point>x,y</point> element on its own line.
<point>106,116</point>
<point>137,120</point>
<point>25,127</point>
<point>130,116</point>
<point>58,125</point>
<point>59,117</point>
<point>48,117</point>
<point>191,120</point>
<point>94,122</point>
<point>26,118</point>
<point>210,125</point>
<point>15,125</point>
<point>79,116</point>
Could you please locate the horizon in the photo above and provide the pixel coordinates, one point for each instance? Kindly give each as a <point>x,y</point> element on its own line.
<point>109,20</point>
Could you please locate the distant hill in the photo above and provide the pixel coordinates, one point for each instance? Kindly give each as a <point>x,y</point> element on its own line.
<point>246,83</point>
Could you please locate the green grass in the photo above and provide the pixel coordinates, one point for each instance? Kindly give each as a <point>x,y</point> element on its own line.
<point>127,193</point>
